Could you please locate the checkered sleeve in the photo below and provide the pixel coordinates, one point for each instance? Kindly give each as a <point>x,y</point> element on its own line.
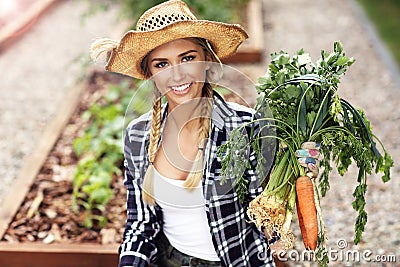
<point>237,241</point>
<point>138,248</point>
<point>250,173</point>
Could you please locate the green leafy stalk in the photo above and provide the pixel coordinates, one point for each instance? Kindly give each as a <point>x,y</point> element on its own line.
<point>100,153</point>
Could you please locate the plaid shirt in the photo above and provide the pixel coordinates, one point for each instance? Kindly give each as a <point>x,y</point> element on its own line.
<point>236,241</point>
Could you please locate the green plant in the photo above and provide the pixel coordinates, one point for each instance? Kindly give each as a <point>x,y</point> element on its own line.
<point>99,149</point>
<point>218,10</point>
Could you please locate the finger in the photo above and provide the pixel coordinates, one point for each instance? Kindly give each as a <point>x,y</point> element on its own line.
<point>310,145</point>
<point>306,160</point>
<point>313,167</point>
<point>314,173</point>
<point>303,153</point>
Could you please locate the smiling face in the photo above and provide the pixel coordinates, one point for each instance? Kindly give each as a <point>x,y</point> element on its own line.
<point>178,69</point>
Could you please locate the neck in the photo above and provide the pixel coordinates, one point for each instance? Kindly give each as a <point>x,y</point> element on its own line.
<point>187,115</point>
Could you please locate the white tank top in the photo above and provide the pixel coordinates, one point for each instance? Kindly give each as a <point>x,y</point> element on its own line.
<point>185,219</point>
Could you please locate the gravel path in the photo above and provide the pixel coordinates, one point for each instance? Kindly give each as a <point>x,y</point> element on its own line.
<point>37,72</point>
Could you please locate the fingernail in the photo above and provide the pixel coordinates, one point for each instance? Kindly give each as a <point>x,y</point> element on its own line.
<point>301,153</point>
<point>311,166</point>
<point>313,152</point>
<point>311,161</point>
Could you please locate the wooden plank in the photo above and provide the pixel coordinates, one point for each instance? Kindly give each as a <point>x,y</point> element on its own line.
<point>12,30</point>
<point>251,50</point>
<point>60,248</point>
<point>255,21</point>
<point>63,255</point>
<point>58,255</point>
<point>249,56</point>
<point>34,161</point>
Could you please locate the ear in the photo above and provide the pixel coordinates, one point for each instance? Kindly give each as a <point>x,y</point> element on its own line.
<point>208,56</point>
<point>208,61</point>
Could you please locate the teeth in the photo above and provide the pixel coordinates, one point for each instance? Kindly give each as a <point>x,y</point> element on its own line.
<point>180,87</point>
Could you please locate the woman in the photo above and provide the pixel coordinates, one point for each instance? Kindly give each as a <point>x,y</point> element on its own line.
<point>178,211</point>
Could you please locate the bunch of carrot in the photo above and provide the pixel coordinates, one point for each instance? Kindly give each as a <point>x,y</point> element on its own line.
<point>300,100</point>
<point>305,106</point>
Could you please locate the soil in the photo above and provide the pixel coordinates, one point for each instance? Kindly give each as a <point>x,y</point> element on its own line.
<point>46,215</point>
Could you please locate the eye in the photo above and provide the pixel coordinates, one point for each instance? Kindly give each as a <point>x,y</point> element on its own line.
<point>161,64</point>
<point>188,58</point>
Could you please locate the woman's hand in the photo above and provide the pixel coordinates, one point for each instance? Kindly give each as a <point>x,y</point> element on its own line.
<point>268,234</point>
<point>276,247</point>
<point>308,157</point>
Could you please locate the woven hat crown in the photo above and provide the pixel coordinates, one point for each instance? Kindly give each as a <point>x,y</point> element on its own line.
<point>163,15</point>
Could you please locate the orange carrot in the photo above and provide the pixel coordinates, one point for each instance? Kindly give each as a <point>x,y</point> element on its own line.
<point>301,223</point>
<point>306,211</point>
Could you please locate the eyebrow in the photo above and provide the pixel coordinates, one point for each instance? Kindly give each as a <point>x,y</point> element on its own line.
<point>180,55</point>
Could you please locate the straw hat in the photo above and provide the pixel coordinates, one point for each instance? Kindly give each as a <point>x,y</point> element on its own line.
<point>161,24</point>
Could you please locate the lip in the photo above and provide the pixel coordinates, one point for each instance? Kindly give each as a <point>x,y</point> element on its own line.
<point>177,91</point>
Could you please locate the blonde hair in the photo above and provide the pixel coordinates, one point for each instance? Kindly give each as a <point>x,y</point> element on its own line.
<point>155,133</point>
<point>196,173</point>
<point>101,49</point>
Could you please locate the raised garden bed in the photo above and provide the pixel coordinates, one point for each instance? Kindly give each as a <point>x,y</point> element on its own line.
<point>251,50</point>
<point>37,223</point>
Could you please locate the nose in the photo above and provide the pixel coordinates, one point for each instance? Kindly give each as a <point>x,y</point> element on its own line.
<point>177,72</point>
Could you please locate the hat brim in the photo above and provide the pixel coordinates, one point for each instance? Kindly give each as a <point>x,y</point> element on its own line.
<point>135,45</point>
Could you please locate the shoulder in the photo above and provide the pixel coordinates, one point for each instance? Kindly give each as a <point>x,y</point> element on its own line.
<point>230,113</point>
<point>241,111</point>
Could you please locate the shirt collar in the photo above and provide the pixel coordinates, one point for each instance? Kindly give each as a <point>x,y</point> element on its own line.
<point>220,111</point>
